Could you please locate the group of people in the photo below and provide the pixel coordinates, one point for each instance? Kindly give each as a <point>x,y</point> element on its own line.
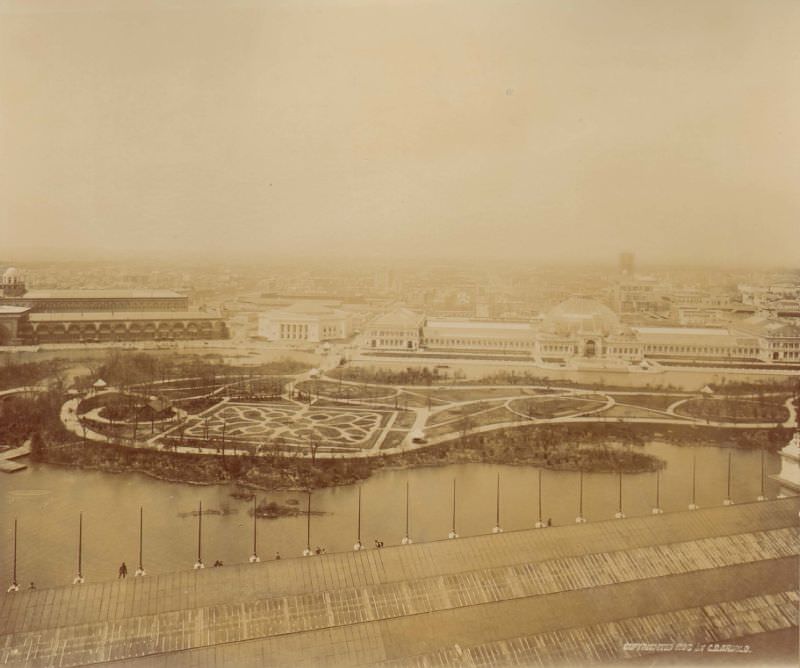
<point>123,569</point>
<point>15,587</point>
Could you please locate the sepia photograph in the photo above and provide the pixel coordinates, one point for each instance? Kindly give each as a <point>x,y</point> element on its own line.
<point>399,333</point>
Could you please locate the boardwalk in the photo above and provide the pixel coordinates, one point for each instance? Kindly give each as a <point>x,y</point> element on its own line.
<point>589,593</point>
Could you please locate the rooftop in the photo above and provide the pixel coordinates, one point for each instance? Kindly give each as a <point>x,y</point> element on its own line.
<point>676,331</point>
<point>478,324</point>
<point>759,324</point>
<point>580,314</point>
<point>399,317</point>
<point>308,308</point>
<point>101,294</point>
<point>571,594</point>
<point>92,316</point>
<point>13,310</point>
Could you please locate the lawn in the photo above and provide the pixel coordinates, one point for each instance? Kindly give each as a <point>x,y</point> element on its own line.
<point>552,407</point>
<point>457,412</point>
<point>417,400</point>
<point>621,411</point>
<point>496,415</point>
<point>472,394</point>
<point>334,390</point>
<point>393,440</point>
<point>658,402</point>
<point>734,410</point>
<point>404,420</point>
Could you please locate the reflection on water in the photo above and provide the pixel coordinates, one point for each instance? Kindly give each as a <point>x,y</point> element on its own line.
<point>47,500</point>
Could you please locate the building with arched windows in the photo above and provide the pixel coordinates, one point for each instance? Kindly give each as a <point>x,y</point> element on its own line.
<point>91,316</point>
<point>584,329</point>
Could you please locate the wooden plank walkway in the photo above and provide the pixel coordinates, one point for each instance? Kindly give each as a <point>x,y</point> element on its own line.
<point>418,635</point>
<point>225,623</point>
<point>698,628</point>
<point>334,595</point>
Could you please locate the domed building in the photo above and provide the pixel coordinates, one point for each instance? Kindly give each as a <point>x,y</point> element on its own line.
<point>584,333</point>
<point>578,315</point>
<point>12,283</point>
<point>581,327</point>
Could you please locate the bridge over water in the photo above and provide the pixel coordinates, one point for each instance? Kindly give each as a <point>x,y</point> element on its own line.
<point>662,587</point>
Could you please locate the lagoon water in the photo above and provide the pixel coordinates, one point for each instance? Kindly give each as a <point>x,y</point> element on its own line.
<point>47,501</point>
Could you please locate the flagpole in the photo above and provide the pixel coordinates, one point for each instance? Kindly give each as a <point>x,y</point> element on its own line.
<point>497,528</point>
<point>199,563</point>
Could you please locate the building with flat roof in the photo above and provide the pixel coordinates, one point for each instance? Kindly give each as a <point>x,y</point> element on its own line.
<point>88,316</point>
<point>580,328</point>
<point>478,335</point>
<point>10,318</point>
<point>311,322</point>
<point>15,293</point>
<point>71,301</point>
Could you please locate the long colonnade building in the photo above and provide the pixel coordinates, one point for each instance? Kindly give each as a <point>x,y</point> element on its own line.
<point>87,316</point>
<point>585,329</point>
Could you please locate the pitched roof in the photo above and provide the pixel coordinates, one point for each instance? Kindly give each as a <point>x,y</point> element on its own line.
<point>765,326</point>
<point>100,294</point>
<point>13,310</point>
<point>93,316</point>
<point>399,317</point>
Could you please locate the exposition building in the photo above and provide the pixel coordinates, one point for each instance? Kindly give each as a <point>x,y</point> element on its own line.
<point>585,329</point>
<point>85,316</point>
<point>309,322</point>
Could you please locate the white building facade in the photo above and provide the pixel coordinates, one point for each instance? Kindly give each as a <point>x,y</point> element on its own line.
<point>478,335</point>
<point>399,329</point>
<point>304,322</point>
<point>580,328</point>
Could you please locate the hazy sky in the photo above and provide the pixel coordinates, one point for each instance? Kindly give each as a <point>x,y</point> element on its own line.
<point>546,129</point>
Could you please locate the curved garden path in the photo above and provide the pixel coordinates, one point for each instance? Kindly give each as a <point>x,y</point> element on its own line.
<point>495,398</point>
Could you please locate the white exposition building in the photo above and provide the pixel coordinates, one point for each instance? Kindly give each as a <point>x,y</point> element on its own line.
<point>309,322</point>
<point>580,328</point>
<point>400,329</point>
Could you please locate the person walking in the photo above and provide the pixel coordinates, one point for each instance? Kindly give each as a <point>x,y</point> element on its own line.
<point>123,571</point>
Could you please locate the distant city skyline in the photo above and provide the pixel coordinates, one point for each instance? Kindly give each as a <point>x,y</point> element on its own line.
<point>551,131</point>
